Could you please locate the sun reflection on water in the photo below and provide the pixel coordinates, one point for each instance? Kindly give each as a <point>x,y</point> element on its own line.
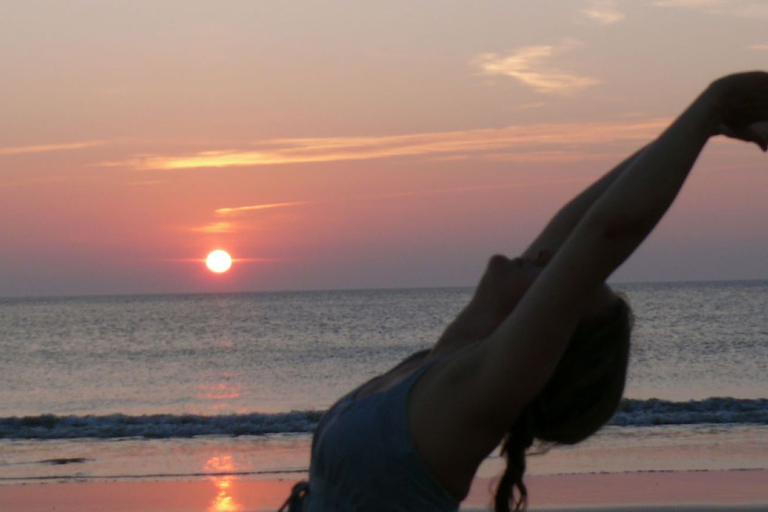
<point>221,392</point>
<point>223,501</point>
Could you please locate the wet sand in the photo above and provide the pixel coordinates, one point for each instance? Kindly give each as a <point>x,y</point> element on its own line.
<point>708,491</point>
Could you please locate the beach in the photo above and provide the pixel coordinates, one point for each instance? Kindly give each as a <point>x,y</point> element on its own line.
<point>712,491</point>
<point>247,241</point>
<point>208,402</point>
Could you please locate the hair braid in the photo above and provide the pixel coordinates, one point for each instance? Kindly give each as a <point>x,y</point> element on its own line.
<point>580,397</point>
<point>518,440</point>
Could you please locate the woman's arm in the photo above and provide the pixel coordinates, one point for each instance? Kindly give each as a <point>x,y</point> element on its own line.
<point>518,359</point>
<point>562,224</point>
<point>549,241</point>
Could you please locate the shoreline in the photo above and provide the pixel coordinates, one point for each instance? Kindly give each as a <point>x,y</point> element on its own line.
<point>663,491</point>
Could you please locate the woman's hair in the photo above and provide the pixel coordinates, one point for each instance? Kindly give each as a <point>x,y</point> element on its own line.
<point>581,396</point>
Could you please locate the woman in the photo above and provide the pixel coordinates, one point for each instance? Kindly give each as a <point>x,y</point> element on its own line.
<point>540,352</point>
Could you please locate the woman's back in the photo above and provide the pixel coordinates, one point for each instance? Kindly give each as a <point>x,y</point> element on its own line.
<point>364,457</point>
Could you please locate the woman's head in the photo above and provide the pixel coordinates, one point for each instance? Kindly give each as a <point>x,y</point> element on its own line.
<point>585,387</point>
<point>580,397</point>
<point>588,382</point>
<point>501,287</point>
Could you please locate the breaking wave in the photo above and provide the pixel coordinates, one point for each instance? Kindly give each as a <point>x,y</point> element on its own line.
<point>631,413</point>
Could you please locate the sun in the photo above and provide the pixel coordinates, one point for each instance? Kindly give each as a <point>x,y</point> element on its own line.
<point>218,261</point>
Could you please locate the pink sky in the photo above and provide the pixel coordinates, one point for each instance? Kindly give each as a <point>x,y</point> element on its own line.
<point>352,144</point>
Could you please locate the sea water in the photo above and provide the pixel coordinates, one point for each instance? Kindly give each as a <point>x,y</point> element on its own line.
<point>186,386</point>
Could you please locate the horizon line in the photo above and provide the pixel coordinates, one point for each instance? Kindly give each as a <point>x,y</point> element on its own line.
<point>352,289</point>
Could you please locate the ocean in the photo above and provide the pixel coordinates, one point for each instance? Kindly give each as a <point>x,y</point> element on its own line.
<point>189,386</point>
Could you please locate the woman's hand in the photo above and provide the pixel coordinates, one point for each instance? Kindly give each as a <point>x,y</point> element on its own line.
<point>756,132</point>
<point>742,106</point>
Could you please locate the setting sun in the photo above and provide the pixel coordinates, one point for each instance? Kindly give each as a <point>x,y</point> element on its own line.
<point>218,261</point>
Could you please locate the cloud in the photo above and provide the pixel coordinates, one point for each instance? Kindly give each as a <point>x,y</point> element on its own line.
<point>758,47</point>
<point>603,12</point>
<point>530,65</point>
<point>543,137</point>
<point>740,8</point>
<point>394,195</point>
<point>240,209</point>
<point>47,148</point>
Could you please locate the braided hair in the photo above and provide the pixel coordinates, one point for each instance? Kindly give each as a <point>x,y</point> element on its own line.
<point>516,442</point>
<point>581,396</point>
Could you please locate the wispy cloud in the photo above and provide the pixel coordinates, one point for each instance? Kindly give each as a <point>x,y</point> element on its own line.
<point>406,194</point>
<point>741,8</point>
<point>758,47</point>
<point>548,137</point>
<point>47,148</point>
<point>531,66</point>
<point>241,209</point>
<point>603,12</point>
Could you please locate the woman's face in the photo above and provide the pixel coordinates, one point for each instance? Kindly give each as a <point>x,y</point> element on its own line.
<point>503,284</point>
<point>501,288</point>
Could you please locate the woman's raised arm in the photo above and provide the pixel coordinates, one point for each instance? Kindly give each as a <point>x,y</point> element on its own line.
<point>523,352</point>
<point>549,241</point>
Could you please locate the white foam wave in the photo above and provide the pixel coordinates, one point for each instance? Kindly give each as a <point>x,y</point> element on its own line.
<point>631,413</point>
<point>156,426</point>
<point>719,410</point>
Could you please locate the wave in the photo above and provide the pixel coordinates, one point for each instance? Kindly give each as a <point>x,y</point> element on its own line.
<point>156,426</point>
<point>722,410</point>
<point>161,426</point>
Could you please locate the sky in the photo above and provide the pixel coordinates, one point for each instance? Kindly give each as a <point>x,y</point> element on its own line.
<point>337,145</point>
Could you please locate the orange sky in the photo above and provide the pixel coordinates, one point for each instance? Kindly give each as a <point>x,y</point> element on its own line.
<point>352,144</point>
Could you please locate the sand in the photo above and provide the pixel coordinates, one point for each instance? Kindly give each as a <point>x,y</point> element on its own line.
<point>709,491</point>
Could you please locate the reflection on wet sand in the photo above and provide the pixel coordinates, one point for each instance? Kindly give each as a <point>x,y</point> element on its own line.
<point>221,469</point>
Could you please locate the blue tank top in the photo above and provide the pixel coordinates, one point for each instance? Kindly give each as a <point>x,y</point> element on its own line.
<point>364,458</point>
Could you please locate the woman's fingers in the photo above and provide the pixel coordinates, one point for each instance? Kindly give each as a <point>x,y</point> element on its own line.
<point>760,132</point>
<point>755,132</point>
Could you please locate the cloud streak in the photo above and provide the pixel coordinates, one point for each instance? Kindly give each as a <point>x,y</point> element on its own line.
<point>241,209</point>
<point>542,137</point>
<point>392,195</point>
<point>531,66</point>
<point>603,12</point>
<point>47,148</point>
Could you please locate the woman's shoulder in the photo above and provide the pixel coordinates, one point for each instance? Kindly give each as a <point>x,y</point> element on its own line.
<point>445,421</point>
<point>394,375</point>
